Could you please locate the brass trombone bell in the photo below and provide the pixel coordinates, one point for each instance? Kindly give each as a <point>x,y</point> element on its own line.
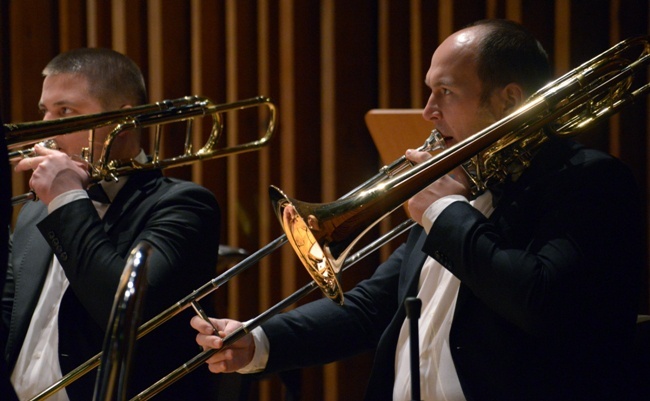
<point>322,234</point>
<point>305,227</point>
<point>565,106</point>
<point>433,141</point>
<point>336,226</point>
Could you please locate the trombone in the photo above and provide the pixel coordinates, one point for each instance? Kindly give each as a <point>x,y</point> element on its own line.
<point>113,374</point>
<point>184,109</point>
<point>323,234</point>
<point>565,107</point>
<point>433,142</point>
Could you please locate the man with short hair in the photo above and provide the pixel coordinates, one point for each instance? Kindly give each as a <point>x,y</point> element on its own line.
<point>69,251</point>
<point>527,293</point>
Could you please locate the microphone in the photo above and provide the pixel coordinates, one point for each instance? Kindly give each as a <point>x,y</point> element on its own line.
<point>413,306</point>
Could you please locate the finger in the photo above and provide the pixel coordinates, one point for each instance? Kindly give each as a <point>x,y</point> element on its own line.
<point>201,325</point>
<point>44,151</point>
<point>25,164</point>
<point>228,325</point>
<point>416,156</point>
<point>219,367</point>
<point>221,362</point>
<point>82,163</point>
<point>209,341</point>
<point>460,176</point>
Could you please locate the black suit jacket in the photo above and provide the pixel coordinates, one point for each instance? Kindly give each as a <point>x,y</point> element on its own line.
<point>547,305</point>
<point>179,219</point>
<point>5,221</point>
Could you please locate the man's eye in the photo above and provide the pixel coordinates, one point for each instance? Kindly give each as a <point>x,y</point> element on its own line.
<point>446,91</point>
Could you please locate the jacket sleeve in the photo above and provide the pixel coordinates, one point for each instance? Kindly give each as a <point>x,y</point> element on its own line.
<point>323,331</point>
<point>180,221</point>
<point>562,254</point>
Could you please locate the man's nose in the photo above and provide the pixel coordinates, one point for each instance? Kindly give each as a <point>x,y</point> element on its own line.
<point>431,113</point>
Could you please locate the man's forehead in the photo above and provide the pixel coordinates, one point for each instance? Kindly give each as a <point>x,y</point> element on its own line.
<point>465,41</point>
<point>69,85</point>
<point>67,77</point>
<point>67,90</point>
<point>455,56</point>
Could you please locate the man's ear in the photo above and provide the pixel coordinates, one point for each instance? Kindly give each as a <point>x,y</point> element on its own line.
<point>512,96</point>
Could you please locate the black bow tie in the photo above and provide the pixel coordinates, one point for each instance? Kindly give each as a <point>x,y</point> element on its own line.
<point>96,193</point>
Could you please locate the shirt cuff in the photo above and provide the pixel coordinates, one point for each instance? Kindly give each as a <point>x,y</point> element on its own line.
<point>66,198</point>
<point>433,211</point>
<point>261,356</point>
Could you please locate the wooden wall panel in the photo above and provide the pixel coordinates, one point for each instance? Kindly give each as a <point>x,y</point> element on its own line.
<point>30,46</point>
<point>324,64</point>
<point>72,24</point>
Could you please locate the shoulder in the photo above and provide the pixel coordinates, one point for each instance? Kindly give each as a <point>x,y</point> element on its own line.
<point>179,185</point>
<point>154,184</point>
<point>173,188</point>
<point>151,192</point>
<point>569,170</point>
<point>594,165</point>
<point>573,160</point>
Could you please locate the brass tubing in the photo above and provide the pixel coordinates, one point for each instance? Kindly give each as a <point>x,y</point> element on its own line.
<point>247,327</point>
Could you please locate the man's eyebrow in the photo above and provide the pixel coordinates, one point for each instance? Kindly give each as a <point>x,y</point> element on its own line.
<point>63,102</point>
<point>58,103</point>
<point>440,82</point>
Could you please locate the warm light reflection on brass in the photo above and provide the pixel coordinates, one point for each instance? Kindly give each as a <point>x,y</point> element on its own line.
<point>310,252</point>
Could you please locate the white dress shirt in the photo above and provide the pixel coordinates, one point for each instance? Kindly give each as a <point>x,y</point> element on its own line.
<point>38,366</point>
<point>438,290</point>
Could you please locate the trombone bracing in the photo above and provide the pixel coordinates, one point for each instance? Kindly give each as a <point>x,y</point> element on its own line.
<point>323,234</point>
<point>434,141</point>
<point>184,109</point>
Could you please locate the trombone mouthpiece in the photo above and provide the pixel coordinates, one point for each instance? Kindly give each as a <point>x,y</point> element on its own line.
<point>435,141</point>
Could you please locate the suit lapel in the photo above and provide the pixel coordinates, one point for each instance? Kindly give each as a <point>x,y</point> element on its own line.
<point>408,282</point>
<point>412,267</point>
<point>31,258</point>
<point>383,372</point>
<point>31,253</point>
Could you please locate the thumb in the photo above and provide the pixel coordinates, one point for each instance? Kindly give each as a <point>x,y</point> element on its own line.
<point>417,156</point>
<point>43,150</point>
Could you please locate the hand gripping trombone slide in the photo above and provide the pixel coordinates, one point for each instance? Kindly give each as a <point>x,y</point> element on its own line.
<point>433,142</point>
<point>322,234</point>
